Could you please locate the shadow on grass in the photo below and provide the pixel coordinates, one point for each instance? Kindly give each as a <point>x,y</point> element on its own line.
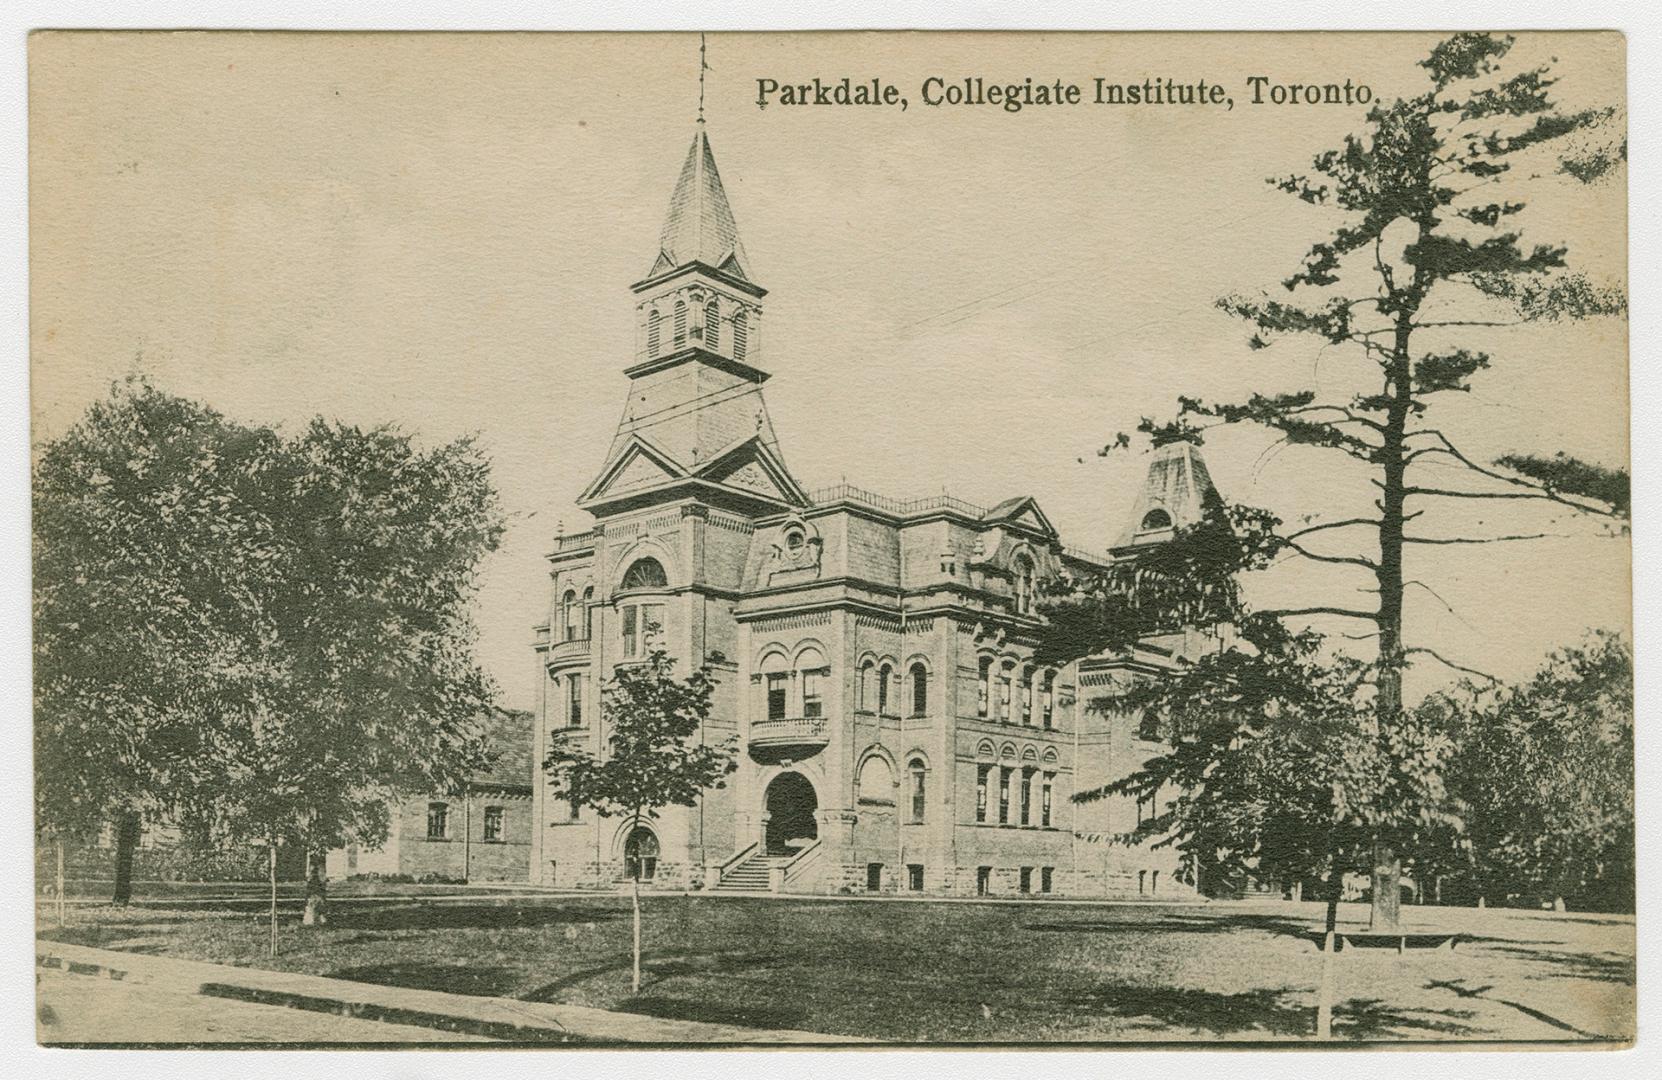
<point>1270,1013</point>
<point>1573,965</point>
<point>765,1016</point>
<point>656,971</point>
<point>449,978</point>
<point>1185,924</point>
<point>1481,993</point>
<point>450,916</point>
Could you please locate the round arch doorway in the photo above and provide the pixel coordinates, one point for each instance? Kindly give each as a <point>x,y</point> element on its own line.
<point>790,803</point>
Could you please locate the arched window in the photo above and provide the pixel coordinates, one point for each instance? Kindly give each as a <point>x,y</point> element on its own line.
<point>1024,585</point>
<point>568,615</point>
<point>640,855</point>
<point>741,327</point>
<point>885,675</point>
<point>654,333</point>
<point>680,323</point>
<point>984,688</point>
<point>1027,696</point>
<point>1047,697</point>
<point>1156,519</point>
<point>867,689</point>
<point>776,681</point>
<point>920,690</point>
<point>1005,677</point>
<point>916,772</point>
<point>588,617</point>
<point>712,326</point>
<point>647,573</point>
<point>876,781</point>
<point>812,670</point>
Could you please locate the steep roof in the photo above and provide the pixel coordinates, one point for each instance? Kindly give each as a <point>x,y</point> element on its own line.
<point>1178,484</point>
<point>700,227</point>
<point>509,739</point>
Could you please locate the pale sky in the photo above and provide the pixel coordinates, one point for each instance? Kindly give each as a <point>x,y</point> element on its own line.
<point>440,231</point>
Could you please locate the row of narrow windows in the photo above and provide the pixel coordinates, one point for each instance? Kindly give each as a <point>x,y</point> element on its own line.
<point>711,329</point>
<point>1017,804</point>
<point>994,695</point>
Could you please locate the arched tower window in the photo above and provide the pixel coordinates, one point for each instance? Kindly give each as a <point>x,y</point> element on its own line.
<point>984,688</point>
<point>741,329</point>
<point>920,690</point>
<point>647,573</point>
<point>1156,519</point>
<point>917,774</point>
<point>885,675</point>
<point>654,332</point>
<point>568,615</point>
<point>868,686</point>
<point>588,617</point>
<point>712,326</point>
<point>680,323</point>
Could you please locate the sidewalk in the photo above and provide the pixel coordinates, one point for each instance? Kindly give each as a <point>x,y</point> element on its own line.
<point>490,1017</point>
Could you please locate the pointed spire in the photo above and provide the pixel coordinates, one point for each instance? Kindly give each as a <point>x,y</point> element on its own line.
<point>1176,493</point>
<point>700,227</point>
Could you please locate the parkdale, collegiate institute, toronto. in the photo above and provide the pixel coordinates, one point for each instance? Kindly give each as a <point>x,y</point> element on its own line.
<point>873,655</point>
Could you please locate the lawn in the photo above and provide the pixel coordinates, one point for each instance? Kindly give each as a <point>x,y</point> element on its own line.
<point>943,972</point>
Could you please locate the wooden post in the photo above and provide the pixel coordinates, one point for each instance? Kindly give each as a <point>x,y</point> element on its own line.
<point>635,896</point>
<point>1324,999</point>
<point>272,849</point>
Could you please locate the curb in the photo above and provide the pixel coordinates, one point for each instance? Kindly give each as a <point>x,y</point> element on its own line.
<point>503,1019</point>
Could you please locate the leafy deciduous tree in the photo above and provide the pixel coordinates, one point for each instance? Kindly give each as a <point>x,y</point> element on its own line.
<point>653,757</point>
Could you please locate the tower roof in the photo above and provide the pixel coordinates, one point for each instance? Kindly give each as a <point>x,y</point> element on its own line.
<point>700,227</point>
<point>1176,493</point>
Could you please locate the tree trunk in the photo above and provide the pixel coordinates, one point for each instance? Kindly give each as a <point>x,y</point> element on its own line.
<point>1387,865</point>
<point>317,891</point>
<point>272,848</point>
<point>635,899</point>
<point>1387,888</point>
<point>1335,888</point>
<point>126,841</point>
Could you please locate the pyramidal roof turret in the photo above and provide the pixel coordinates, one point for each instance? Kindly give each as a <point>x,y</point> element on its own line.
<point>700,227</point>
<point>1177,492</point>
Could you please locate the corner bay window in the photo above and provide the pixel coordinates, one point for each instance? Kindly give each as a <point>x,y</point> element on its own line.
<point>574,701</point>
<point>641,624</point>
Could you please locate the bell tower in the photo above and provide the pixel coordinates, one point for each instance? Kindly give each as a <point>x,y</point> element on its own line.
<point>694,422</point>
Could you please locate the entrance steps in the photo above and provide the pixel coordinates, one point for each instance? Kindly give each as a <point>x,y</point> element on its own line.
<point>752,875</point>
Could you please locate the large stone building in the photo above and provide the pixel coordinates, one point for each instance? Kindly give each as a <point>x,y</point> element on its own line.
<point>874,655</point>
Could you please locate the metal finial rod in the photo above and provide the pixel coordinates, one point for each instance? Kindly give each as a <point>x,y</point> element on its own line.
<point>702,68</point>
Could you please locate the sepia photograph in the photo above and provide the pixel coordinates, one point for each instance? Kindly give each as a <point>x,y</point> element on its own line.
<point>831,539</point>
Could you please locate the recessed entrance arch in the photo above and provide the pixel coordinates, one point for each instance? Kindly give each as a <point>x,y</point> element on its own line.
<point>640,855</point>
<point>790,803</point>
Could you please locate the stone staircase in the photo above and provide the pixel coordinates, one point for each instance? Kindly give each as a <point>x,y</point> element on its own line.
<point>750,875</point>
